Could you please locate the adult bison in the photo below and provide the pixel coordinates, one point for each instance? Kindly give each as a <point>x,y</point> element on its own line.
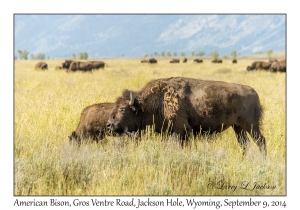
<point>234,61</point>
<point>81,66</point>
<point>197,60</point>
<point>66,64</point>
<point>92,123</point>
<point>186,105</point>
<point>216,61</point>
<point>256,65</point>
<point>184,60</point>
<point>41,65</point>
<point>174,60</point>
<point>278,66</point>
<point>152,60</point>
<point>144,61</point>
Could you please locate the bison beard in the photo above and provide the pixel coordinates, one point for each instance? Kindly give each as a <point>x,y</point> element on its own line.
<point>190,106</point>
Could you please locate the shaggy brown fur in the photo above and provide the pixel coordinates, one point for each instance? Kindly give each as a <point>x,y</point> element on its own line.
<point>41,65</point>
<point>81,66</point>
<point>98,64</point>
<point>66,64</point>
<point>278,66</point>
<point>265,65</point>
<point>256,65</point>
<point>152,60</point>
<point>197,60</point>
<point>174,60</point>
<point>92,124</point>
<point>184,60</point>
<point>217,61</point>
<point>190,106</point>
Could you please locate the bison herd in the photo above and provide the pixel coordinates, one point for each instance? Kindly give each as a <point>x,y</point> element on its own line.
<point>173,106</point>
<point>72,66</point>
<point>272,66</point>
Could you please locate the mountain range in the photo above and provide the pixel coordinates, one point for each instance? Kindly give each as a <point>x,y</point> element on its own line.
<point>133,35</point>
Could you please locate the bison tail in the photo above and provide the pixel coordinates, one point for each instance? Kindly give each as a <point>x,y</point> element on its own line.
<point>258,113</point>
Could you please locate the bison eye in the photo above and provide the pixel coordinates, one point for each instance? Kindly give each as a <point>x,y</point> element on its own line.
<point>123,110</point>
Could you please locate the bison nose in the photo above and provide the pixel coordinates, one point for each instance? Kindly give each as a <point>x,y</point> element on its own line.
<point>108,125</point>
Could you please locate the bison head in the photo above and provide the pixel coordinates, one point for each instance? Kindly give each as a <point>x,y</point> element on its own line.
<point>125,117</point>
<point>249,68</point>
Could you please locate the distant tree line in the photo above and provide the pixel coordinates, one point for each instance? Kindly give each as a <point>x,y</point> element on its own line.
<point>213,54</point>
<point>80,56</point>
<point>23,55</point>
<point>39,56</point>
<point>169,53</point>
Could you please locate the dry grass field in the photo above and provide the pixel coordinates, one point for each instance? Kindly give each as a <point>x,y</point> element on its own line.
<point>47,107</point>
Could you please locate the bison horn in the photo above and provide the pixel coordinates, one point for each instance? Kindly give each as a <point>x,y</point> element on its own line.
<point>131,99</point>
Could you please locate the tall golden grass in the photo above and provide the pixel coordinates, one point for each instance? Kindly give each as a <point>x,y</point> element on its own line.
<point>48,106</point>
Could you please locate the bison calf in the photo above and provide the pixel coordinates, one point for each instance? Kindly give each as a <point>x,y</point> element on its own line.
<point>92,124</point>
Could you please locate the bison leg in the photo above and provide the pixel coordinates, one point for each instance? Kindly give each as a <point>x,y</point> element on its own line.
<point>181,133</point>
<point>242,137</point>
<point>259,139</point>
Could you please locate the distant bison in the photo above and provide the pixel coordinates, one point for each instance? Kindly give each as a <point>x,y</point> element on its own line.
<point>41,65</point>
<point>184,105</point>
<point>174,60</point>
<point>66,64</point>
<point>92,124</point>
<point>152,60</point>
<point>278,66</point>
<point>217,61</point>
<point>234,61</point>
<point>98,64</point>
<point>144,61</point>
<point>256,65</point>
<point>197,60</point>
<point>184,60</point>
<point>58,68</point>
<point>80,66</point>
